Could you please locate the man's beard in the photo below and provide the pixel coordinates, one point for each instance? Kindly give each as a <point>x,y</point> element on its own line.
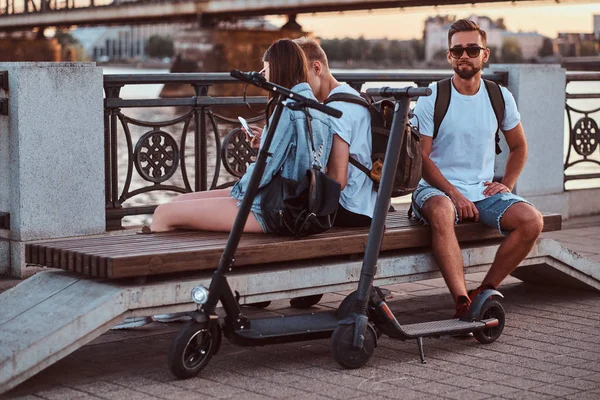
<point>466,73</point>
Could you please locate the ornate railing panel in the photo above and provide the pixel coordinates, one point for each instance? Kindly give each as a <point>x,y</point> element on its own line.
<point>155,148</point>
<point>582,161</point>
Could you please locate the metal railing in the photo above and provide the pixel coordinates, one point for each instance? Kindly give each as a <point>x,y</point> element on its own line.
<point>11,7</point>
<point>584,133</point>
<point>157,153</point>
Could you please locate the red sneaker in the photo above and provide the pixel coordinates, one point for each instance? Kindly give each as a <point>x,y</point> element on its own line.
<point>474,292</point>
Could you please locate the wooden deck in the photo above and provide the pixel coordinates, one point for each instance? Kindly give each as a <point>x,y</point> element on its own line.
<point>162,253</point>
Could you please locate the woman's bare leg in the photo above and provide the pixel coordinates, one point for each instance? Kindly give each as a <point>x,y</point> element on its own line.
<point>210,214</point>
<point>207,194</point>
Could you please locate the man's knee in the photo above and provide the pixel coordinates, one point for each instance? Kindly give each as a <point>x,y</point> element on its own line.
<point>439,212</point>
<point>531,223</point>
<point>535,223</point>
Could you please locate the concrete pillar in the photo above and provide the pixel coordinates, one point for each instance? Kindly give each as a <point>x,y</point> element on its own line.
<point>51,156</point>
<point>539,91</point>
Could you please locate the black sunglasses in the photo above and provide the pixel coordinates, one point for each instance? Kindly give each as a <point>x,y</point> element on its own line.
<point>472,51</point>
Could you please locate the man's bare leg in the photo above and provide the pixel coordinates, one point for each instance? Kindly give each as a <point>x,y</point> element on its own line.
<point>439,212</point>
<point>526,224</point>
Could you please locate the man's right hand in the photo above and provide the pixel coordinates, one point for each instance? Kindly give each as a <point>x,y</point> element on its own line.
<point>464,207</point>
<point>254,141</point>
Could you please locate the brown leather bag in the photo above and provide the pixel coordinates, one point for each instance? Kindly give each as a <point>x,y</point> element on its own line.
<point>409,168</point>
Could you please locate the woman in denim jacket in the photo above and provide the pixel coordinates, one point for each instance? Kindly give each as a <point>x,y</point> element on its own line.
<point>215,210</point>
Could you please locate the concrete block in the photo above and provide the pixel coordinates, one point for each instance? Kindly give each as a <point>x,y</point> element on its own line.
<point>56,157</point>
<point>4,257</point>
<point>17,258</point>
<point>581,203</point>
<point>539,91</point>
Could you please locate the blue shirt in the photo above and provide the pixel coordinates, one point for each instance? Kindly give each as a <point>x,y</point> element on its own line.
<point>291,150</point>
<point>354,128</point>
<point>464,150</point>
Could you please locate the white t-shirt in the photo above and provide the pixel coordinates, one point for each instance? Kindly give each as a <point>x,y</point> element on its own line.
<point>354,127</point>
<point>465,147</point>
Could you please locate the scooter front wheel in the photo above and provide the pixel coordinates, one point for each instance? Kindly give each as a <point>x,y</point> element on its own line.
<point>343,350</point>
<point>491,309</point>
<point>193,348</point>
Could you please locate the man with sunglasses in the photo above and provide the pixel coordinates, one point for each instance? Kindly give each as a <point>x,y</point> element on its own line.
<point>458,169</point>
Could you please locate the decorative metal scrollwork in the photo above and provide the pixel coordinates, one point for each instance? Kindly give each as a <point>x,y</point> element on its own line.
<point>585,136</point>
<point>156,156</point>
<point>237,153</point>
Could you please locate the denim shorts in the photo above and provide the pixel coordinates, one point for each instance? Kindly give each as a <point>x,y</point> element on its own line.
<point>491,209</point>
<point>261,221</point>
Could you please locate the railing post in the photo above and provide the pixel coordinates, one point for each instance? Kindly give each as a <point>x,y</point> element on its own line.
<point>111,159</point>
<point>51,172</point>
<point>200,151</point>
<point>539,91</point>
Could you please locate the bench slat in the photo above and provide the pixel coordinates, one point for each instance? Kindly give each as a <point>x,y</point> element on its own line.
<point>129,255</point>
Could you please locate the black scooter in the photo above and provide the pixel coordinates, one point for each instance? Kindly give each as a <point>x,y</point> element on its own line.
<point>200,338</point>
<point>354,340</point>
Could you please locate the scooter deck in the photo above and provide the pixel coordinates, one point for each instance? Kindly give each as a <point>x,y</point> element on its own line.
<point>448,326</point>
<point>313,325</point>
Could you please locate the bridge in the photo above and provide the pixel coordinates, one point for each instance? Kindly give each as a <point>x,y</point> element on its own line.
<point>28,14</point>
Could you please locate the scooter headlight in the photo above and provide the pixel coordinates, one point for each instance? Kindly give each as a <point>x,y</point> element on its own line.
<point>199,295</point>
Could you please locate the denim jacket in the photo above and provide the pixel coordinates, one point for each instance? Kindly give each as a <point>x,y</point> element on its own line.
<point>291,150</point>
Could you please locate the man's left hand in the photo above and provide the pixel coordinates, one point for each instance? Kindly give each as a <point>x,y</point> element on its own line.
<point>493,188</point>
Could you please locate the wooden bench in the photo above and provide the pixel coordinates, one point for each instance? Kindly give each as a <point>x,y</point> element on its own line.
<point>135,255</point>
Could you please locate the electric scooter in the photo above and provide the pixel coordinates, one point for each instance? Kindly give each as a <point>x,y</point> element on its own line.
<point>354,340</point>
<point>200,338</point>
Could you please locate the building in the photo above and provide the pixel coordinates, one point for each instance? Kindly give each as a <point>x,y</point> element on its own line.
<point>436,37</point>
<point>530,42</point>
<point>123,42</point>
<point>576,44</point>
<point>597,26</point>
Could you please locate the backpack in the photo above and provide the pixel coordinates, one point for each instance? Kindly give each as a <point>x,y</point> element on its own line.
<point>408,170</point>
<point>442,102</point>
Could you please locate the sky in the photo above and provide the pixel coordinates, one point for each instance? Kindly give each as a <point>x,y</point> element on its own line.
<point>546,18</point>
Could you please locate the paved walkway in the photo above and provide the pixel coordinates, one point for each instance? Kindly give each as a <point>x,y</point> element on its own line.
<point>550,348</point>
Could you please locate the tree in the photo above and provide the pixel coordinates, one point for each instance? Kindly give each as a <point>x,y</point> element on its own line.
<point>362,47</point>
<point>493,55</point>
<point>331,47</point>
<point>348,50</point>
<point>395,52</point>
<point>378,52</point>
<point>160,46</point>
<point>418,49</point>
<point>500,23</point>
<point>511,51</point>
<point>65,38</point>
<point>440,55</point>
<point>547,48</point>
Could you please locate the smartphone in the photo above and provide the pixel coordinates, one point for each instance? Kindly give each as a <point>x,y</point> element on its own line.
<point>246,126</point>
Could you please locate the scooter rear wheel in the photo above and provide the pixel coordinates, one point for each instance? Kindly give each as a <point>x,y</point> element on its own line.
<point>344,352</point>
<point>491,309</point>
<point>193,348</point>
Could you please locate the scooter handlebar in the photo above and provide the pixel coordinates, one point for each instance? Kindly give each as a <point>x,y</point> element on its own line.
<point>259,80</point>
<point>399,92</point>
<point>251,77</point>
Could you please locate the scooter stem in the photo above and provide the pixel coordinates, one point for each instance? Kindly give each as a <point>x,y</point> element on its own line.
<point>226,261</point>
<point>384,193</point>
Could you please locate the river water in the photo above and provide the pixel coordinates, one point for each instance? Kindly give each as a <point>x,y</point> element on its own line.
<point>167,113</point>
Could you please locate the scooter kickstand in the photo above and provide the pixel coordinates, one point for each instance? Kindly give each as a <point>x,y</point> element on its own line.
<point>421,352</point>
